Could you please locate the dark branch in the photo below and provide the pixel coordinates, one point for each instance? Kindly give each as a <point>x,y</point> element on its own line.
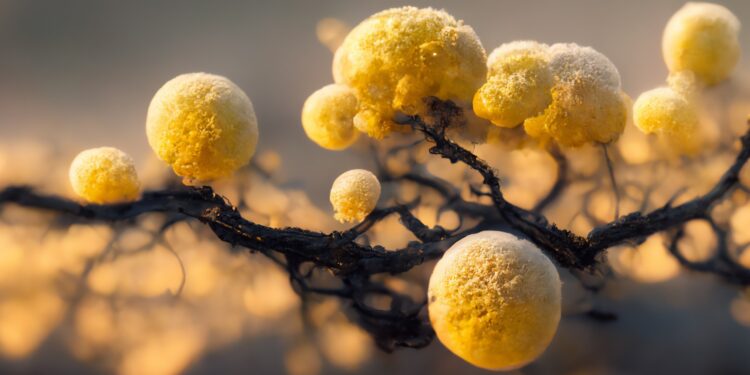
<point>354,263</point>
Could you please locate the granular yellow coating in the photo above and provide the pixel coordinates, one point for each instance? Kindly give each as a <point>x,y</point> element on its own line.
<point>203,125</point>
<point>684,83</point>
<point>570,62</point>
<point>104,175</point>
<point>518,84</point>
<point>702,38</point>
<point>587,106</point>
<point>397,57</point>
<point>669,115</point>
<point>494,300</point>
<point>328,117</point>
<point>354,195</point>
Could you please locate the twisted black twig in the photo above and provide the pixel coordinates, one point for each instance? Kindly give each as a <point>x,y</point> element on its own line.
<point>357,264</point>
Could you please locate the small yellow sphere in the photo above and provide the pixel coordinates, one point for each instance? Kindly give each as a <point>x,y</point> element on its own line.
<point>328,117</point>
<point>588,105</point>
<point>354,195</point>
<point>203,125</point>
<point>518,84</point>
<point>495,300</point>
<point>672,117</point>
<point>702,38</point>
<point>397,57</point>
<point>104,175</point>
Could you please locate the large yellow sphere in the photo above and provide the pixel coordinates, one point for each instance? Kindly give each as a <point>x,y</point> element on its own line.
<point>494,300</point>
<point>702,38</point>
<point>104,175</point>
<point>672,117</point>
<point>354,195</point>
<point>518,84</point>
<point>396,58</point>
<point>328,117</point>
<point>588,105</point>
<point>203,125</point>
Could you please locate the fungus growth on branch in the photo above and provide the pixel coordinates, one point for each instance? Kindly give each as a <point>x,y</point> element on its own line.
<point>356,264</point>
<point>425,75</point>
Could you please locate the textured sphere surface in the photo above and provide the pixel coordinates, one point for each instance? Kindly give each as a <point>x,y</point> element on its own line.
<point>397,57</point>
<point>494,300</point>
<point>702,38</point>
<point>588,105</point>
<point>518,84</point>
<point>354,195</point>
<point>203,125</point>
<point>104,175</point>
<point>328,117</point>
<point>668,114</point>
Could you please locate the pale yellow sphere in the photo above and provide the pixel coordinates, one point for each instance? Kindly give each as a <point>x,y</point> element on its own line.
<point>516,55</point>
<point>588,105</point>
<point>668,114</point>
<point>104,175</point>
<point>203,125</point>
<point>571,62</point>
<point>354,195</point>
<point>396,58</point>
<point>518,85</point>
<point>495,300</point>
<point>328,117</point>
<point>702,38</point>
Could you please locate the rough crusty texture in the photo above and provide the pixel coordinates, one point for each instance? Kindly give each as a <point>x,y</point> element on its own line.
<point>354,195</point>
<point>588,105</point>
<point>702,38</point>
<point>203,125</point>
<point>104,175</point>
<point>397,57</point>
<point>494,300</point>
<point>671,116</point>
<point>328,117</point>
<point>518,84</point>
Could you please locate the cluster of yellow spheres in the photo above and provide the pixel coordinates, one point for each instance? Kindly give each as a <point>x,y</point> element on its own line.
<point>202,125</point>
<point>495,300</point>
<point>564,92</point>
<point>588,105</point>
<point>395,59</point>
<point>700,46</point>
<point>392,61</point>
<point>354,195</point>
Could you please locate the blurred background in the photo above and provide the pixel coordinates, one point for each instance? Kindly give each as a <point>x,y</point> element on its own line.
<point>80,74</point>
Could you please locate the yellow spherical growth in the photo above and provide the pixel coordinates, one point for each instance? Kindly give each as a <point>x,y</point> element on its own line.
<point>104,175</point>
<point>328,117</point>
<point>666,113</point>
<point>396,58</point>
<point>587,102</point>
<point>203,125</point>
<point>354,195</point>
<point>702,38</point>
<point>518,84</point>
<point>494,300</point>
